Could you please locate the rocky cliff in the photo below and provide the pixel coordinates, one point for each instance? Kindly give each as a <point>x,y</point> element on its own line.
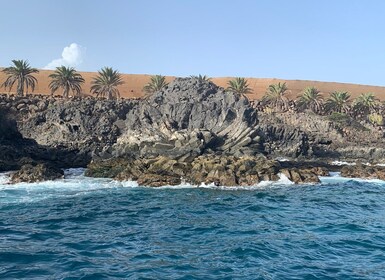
<point>188,126</point>
<point>189,118</point>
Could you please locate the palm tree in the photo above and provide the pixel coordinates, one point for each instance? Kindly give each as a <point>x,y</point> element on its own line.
<point>106,83</point>
<point>365,103</point>
<point>239,85</point>
<point>310,99</point>
<point>275,96</point>
<point>338,102</point>
<point>21,73</point>
<point>201,78</point>
<point>66,78</point>
<point>156,83</point>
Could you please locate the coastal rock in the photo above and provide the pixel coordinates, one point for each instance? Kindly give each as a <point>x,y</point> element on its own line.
<point>363,171</point>
<point>188,118</point>
<point>208,169</point>
<point>40,172</point>
<point>301,176</point>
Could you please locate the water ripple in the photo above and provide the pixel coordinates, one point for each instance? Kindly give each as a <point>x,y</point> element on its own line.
<point>99,229</point>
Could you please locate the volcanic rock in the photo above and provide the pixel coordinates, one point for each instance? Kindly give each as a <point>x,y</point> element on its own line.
<point>41,172</point>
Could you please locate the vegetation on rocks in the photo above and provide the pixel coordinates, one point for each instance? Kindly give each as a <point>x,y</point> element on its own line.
<point>239,85</point>
<point>67,79</point>
<point>106,83</point>
<point>365,104</point>
<point>338,101</point>
<point>201,78</point>
<point>275,97</point>
<point>156,83</point>
<point>311,99</point>
<point>22,74</point>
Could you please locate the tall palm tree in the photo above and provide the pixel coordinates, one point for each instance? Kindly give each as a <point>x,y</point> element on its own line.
<point>275,96</point>
<point>365,103</point>
<point>66,78</point>
<point>338,101</point>
<point>310,99</point>
<point>239,85</point>
<point>157,82</point>
<point>21,73</point>
<point>106,83</point>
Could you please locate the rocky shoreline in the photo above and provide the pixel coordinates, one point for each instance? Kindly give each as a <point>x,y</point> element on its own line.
<point>191,131</point>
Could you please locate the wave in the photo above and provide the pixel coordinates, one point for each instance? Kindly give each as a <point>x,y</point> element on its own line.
<point>75,183</point>
<point>335,177</point>
<point>5,178</point>
<point>283,180</point>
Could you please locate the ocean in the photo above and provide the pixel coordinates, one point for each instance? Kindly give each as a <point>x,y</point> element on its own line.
<point>85,228</point>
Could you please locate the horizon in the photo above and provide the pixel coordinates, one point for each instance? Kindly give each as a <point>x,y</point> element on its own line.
<point>327,42</point>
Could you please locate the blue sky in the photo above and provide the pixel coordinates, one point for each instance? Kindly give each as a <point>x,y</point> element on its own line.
<point>328,40</point>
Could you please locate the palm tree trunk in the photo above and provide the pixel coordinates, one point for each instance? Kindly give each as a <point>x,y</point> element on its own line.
<point>20,87</point>
<point>66,91</point>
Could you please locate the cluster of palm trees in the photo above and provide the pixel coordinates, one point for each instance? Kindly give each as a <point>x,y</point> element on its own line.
<point>105,84</point>
<point>364,107</point>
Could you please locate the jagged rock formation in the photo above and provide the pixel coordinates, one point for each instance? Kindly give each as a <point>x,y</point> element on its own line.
<point>363,171</point>
<point>308,135</point>
<point>86,125</point>
<point>190,130</point>
<point>189,118</point>
<point>30,173</point>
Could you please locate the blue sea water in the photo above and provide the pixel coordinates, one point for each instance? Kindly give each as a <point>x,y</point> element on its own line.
<point>82,228</point>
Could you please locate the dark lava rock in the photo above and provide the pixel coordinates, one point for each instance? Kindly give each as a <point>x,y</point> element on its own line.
<point>41,172</point>
<point>188,118</point>
<point>299,176</point>
<point>161,170</point>
<point>363,171</point>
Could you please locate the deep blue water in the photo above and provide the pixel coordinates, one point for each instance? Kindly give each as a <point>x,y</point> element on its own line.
<point>97,229</point>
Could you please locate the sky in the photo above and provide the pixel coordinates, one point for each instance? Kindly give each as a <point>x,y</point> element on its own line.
<point>328,40</point>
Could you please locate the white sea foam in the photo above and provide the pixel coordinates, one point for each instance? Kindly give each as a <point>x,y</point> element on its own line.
<point>283,180</point>
<point>335,178</point>
<point>4,178</point>
<point>281,159</point>
<point>74,172</point>
<point>340,163</point>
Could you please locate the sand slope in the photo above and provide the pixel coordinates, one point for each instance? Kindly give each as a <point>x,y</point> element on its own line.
<point>134,84</point>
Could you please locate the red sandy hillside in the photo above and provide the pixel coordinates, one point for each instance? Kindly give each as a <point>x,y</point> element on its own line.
<point>134,84</point>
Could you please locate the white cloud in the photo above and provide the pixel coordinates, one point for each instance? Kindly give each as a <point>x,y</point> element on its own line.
<point>71,56</point>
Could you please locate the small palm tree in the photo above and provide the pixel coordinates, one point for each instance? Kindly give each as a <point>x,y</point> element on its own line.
<point>66,78</point>
<point>239,85</point>
<point>201,78</point>
<point>275,96</point>
<point>106,83</point>
<point>156,83</point>
<point>338,102</point>
<point>21,73</point>
<point>310,99</point>
<point>365,103</point>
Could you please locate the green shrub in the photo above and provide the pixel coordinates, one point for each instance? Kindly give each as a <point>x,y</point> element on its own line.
<point>376,119</point>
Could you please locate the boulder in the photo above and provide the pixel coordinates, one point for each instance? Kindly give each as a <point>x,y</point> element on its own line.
<point>301,176</point>
<point>363,171</point>
<point>35,173</point>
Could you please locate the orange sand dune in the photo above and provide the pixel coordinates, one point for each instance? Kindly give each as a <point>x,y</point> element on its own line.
<point>134,83</point>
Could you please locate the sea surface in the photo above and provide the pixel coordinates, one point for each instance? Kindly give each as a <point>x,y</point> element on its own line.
<point>82,228</point>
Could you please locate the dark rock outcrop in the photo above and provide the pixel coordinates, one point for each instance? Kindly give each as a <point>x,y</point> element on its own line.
<point>309,135</point>
<point>191,130</point>
<point>36,173</point>
<point>220,170</point>
<point>363,171</point>
<point>189,118</point>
